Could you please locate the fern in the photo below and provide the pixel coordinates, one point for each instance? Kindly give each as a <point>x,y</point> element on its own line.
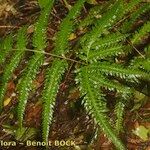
<point>141,33</point>
<point>66,27</point>
<point>107,20</point>
<point>119,71</point>
<point>127,26</point>
<point>131,5</point>
<point>108,40</point>
<point>25,84</point>
<point>53,78</point>
<point>110,85</point>
<point>6,46</point>
<point>103,53</point>
<point>17,56</point>
<point>35,63</point>
<point>119,111</point>
<point>141,63</point>
<point>93,14</point>
<point>57,67</point>
<point>96,106</point>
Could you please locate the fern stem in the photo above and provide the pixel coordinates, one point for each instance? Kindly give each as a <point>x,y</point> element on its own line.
<point>53,55</point>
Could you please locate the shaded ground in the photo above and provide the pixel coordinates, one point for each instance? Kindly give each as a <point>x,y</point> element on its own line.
<point>70,119</point>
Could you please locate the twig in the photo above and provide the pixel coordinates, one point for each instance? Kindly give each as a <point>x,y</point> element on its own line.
<point>9,27</point>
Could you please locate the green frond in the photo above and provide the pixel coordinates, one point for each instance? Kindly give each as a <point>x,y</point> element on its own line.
<point>141,63</point>
<point>106,21</point>
<point>119,112</point>
<point>108,40</point>
<point>58,66</point>
<point>119,71</point>
<point>53,79</point>
<point>66,27</point>
<point>104,47</point>
<point>61,43</point>
<point>6,47</point>
<point>45,3</point>
<point>131,5</point>
<point>102,81</point>
<point>97,70</point>
<point>39,36</point>
<point>127,26</point>
<point>25,85</point>
<point>75,10</point>
<point>90,17</point>
<point>96,106</point>
<point>101,53</point>
<point>34,64</point>
<point>17,56</point>
<point>94,14</point>
<point>141,33</point>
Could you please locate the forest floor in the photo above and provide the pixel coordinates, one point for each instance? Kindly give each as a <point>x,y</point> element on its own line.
<point>70,119</point>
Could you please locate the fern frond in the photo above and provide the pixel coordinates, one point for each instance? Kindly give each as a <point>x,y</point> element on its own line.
<point>108,40</point>
<point>66,27</point>
<point>45,3</point>
<point>96,106</point>
<point>25,84</point>
<point>93,14</point>
<point>58,67</point>
<point>75,10</point>
<point>102,81</point>
<point>131,5</point>
<point>119,111</point>
<point>127,26</point>
<point>6,46</point>
<point>119,71</point>
<point>94,55</point>
<point>17,56</point>
<point>104,23</point>
<point>39,41</point>
<point>53,79</point>
<point>141,33</point>
<point>104,47</point>
<point>141,63</point>
<point>39,37</point>
<point>61,44</point>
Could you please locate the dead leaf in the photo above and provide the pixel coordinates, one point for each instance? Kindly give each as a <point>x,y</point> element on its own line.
<point>7,101</point>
